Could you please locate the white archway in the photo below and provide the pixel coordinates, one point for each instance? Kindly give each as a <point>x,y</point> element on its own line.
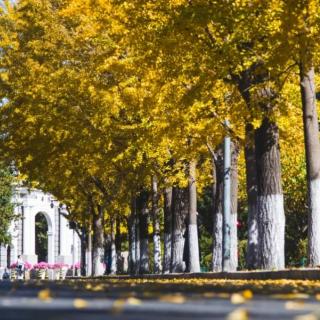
<point>50,257</point>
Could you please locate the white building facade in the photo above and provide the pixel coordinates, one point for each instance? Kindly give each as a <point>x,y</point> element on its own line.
<point>63,243</point>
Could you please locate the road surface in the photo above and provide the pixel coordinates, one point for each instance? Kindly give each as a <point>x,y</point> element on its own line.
<point>65,301</point>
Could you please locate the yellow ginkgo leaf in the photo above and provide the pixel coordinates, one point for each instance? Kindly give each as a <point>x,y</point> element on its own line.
<point>247,294</point>
<point>309,316</point>
<point>237,298</point>
<point>44,294</point>
<point>80,303</point>
<point>173,298</point>
<point>134,301</point>
<point>238,314</point>
<point>118,305</point>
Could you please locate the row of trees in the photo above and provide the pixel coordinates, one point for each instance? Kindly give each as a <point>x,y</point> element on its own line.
<point>118,107</point>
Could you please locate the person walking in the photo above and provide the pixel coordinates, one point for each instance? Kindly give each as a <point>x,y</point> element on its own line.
<point>20,268</point>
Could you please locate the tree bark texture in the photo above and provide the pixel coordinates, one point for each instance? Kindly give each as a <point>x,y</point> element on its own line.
<point>270,206</point>
<point>217,165</point>
<point>84,247</point>
<point>167,229</point>
<point>89,255</point>
<point>312,149</point>
<point>194,259</point>
<point>234,208</point>
<point>132,238</point>
<point>143,211</point>
<point>98,267</point>
<point>179,213</point>
<point>156,226</point>
<point>118,245</point>
<point>252,257</point>
<point>113,266</point>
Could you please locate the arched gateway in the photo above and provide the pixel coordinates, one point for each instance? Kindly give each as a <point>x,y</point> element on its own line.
<point>42,232</point>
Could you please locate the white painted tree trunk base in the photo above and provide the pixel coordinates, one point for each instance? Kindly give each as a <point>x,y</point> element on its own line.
<point>113,267</point>
<point>177,263</point>
<point>194,263</point>
<point>314,223</point>
<point>271,231</point>
<point>157,253</point>
<point>252,247</point>
<point>167,253</point>
<point>217,245</point>
<point>233,242</point>
<point>144,256</point>
<point>98,262</point>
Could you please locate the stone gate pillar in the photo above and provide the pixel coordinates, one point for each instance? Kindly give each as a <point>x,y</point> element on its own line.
<point>29,236</point>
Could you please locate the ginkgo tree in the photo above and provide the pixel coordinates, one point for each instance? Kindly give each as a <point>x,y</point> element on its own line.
<point>111,105</point>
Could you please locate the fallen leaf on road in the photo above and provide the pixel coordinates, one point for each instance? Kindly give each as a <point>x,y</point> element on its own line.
<point>98,287</point>
<point>309,316</point>
<point>247,294</point>
<point>80,303</point>
<point>118,305</point>
<point>134,301</point>
<point>44,294</point>
<point>173,298</point>
<point>208,295</point>
<point>294,305</point>
<point>290,296</point>
<point>237,298</point>
<point>238,314</point>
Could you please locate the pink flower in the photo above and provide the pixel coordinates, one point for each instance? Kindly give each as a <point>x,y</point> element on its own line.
<point>60,265</point>
<point>13,265</point>
<point>41,265</point>
<point>77,265</point>
<point>28,265</point>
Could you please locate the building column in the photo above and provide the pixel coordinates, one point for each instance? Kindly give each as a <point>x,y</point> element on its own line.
<point>29,242</point>
<point>65,242</point>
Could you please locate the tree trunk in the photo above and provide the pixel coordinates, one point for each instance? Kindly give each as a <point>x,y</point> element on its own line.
<point>113,266</point>
<point>194,260</point>
<point>84,247</point>
<point>270,197</point>
<point>89,255</point>
<point>234,208</point>
<point>167,229</point>
<point>132,237</point>
<point>137,237</point>
<point>312,149</point>
<point>252,257</point>
<point>143,230</point>
<point>118,245</point>
<point>156,226</point>
<point>98,243</point>
<point>179,204</point>
<point>217,165</point>
<point>107,252</point>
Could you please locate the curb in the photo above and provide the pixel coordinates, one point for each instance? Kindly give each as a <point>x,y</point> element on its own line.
<point>295,274</point>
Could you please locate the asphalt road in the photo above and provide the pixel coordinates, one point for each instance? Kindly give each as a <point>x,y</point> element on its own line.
<point>22,301</point>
